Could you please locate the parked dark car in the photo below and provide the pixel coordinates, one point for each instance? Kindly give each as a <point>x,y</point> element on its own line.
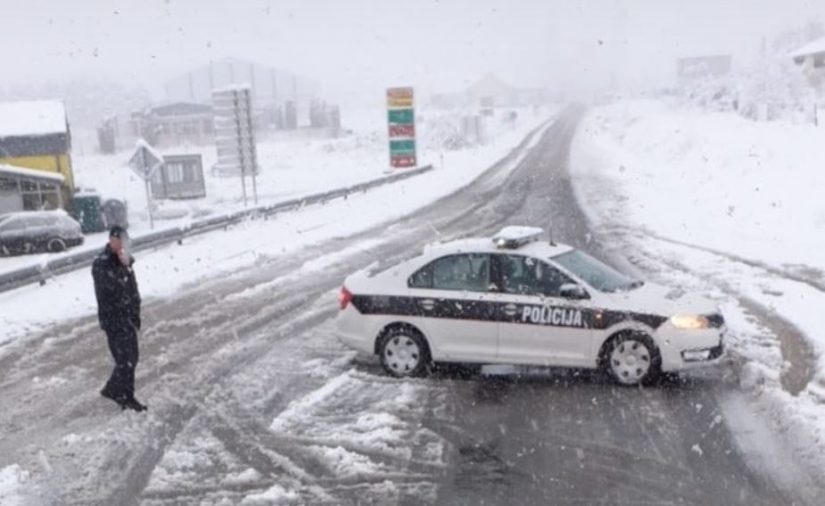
<point>32,231</point>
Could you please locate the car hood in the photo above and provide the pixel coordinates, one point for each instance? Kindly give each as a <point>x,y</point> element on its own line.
<point>651,298</point>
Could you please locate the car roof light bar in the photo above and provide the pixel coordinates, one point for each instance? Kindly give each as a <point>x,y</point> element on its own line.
<point>516,237</point>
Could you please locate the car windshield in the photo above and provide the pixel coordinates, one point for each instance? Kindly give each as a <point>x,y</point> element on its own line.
<point>595,273</point>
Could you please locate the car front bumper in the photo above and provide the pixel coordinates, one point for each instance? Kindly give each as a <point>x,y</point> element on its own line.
<point>689,349</point>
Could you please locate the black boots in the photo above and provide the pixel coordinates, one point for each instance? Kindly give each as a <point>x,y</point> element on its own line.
<point>134,404</point>
<point>124,403</point>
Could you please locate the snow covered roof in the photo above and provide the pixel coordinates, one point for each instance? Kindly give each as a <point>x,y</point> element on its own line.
<point>490,84</point>
<point>815,47</point>
<point>178,109</point>
<point>30,173</point>
<point>40,117</point>
<point>233,87</point>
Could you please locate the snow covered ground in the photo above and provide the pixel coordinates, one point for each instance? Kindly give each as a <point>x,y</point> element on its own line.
<point>733,208</point>
<point>12,481</point>
<point>293,164</point>
<point>357,429</point>
<point>165,270</point>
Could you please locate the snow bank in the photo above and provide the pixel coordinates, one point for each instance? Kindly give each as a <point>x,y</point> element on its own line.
<point>12,479</point>
<point>352,437</point>
<point>714,179</point>
<point>731,208</point>
<point>748,194</point>
<point>276,494</point>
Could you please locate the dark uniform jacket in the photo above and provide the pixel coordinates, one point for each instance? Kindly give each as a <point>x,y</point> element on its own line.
<point>118,300</point>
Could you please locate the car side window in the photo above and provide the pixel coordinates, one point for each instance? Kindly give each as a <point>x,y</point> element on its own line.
<point>10,225</point>
<point>469,272</point>
<point>36,222</point>
<point>422,278</point>
<point>529,276</point>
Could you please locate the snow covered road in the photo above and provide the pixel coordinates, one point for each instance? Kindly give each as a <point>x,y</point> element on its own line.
<point>253,401</point>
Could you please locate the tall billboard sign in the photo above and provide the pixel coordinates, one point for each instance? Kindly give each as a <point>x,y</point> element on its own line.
<point>235,135</point>
<point>401,122</point>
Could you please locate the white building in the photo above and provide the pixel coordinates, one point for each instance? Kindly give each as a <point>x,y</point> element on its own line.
<point>811,57</point>
<point>270,86</point>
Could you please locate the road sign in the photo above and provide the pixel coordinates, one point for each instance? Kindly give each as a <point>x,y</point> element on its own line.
<point>402,131</point>
<point>403,161</point>
<point>406,147</point>
<point>235,135</point>
<point>401,116</point>
<point>400,93</point>
<point>401,124</point>
<point>145,162</point>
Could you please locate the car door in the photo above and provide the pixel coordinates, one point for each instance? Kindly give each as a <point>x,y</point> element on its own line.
<point>538,325</point>
<point>456,307</point>
<point>37,230</point>
<point>12,234</point>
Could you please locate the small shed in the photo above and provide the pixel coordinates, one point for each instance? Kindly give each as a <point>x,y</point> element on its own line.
<point>23,189</point>
<point>180,177</point>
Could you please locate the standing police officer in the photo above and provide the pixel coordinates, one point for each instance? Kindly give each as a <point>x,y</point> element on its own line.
<point>118,310</point>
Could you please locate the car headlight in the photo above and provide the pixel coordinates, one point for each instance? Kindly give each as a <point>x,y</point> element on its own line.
<point>689,321</point>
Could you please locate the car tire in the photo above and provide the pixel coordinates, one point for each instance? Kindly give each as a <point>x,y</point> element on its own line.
<point>404,352</point>
<point>56,245</point>
<point>632,359</point>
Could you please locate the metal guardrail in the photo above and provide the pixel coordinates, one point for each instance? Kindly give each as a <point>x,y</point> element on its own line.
<point>67,263</point>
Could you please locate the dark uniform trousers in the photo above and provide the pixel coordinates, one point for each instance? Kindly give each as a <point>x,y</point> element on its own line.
<point>123,344</point>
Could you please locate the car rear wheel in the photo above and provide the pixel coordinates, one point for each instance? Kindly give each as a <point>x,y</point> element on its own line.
<point>404,353</point>
<point>632,359</point>
<point>56,244</point>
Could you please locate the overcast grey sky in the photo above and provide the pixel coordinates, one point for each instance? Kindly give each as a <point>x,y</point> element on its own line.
<point>370,44</point>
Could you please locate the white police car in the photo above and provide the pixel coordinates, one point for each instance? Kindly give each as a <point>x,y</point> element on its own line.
<point>515,299</point>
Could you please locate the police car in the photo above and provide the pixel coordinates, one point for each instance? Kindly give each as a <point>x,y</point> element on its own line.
<point>516,299</point>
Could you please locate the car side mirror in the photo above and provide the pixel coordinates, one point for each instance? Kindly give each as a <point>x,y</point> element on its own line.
<point>573,291</point>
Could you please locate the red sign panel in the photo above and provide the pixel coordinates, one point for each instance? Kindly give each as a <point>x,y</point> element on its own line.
<point>402,130</point>
<point>402,161</point>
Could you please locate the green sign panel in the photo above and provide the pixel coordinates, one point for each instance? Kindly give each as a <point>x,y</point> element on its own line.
<point>402,147</point>
<point>401,116</point>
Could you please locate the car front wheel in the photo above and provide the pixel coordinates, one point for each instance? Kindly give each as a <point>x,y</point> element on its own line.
<point>404,353</point>
<point>633,359</point>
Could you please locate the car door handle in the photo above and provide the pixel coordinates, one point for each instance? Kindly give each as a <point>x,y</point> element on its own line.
<point>427,304</point>
<point>510,309</point>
